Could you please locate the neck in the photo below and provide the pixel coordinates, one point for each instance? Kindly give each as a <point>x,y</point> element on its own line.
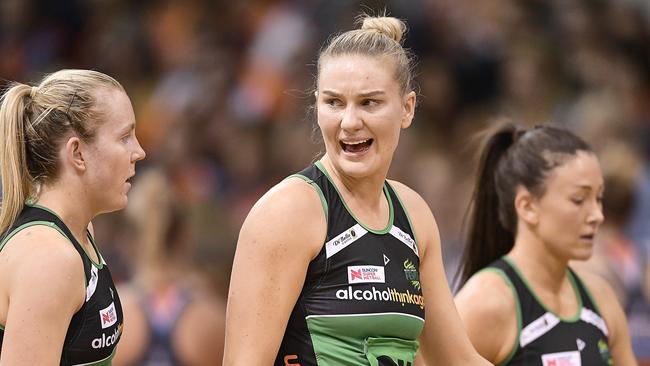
<point>537,263</point>
<point>68,207</point>
<point>365,191</point>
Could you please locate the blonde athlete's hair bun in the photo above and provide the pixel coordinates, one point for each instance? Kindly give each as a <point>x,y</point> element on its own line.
<point>379,36</point>
<point>389,26</point>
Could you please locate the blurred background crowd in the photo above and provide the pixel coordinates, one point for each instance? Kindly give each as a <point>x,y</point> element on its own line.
<point>222,92</point>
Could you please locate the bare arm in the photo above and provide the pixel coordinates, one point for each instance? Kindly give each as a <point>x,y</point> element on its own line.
<point>443,340</point>
<point>46,288</point>
<point>486,305</point>
<point>281,235</point>
<point>611,311</point>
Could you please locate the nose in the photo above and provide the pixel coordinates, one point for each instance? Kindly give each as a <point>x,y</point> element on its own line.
<point>139,153</point>
<point>596,216</point>
<point>350,120</point>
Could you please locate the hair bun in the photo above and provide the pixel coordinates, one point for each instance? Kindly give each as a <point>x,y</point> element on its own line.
<point>391,27</point>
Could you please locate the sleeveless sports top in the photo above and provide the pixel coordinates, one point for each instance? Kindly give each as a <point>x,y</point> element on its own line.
<point>545,339</point>
<point>162,322</point>
<point>95,329</point>
<point>361,303</point>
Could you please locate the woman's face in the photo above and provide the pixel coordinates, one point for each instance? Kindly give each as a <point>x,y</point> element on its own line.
<point>112,155</point>
<point>361,111</point>
<point>570,212</point>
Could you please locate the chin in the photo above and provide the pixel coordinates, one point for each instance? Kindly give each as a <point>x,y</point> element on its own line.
<point>356,169</point>
<point>582,255</point>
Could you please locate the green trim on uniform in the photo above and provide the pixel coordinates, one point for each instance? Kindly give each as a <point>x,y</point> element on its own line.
<point>320,166</point>
<point>24,226</point>
<point>323,201</point>
<point>2,328</point>
<point>406,212</point>
<point>505,278</point>
<point>344,350</point>
<point>98,265</point>
<point>101,263</point>
<point>576,292</point>
<point>593,301</point>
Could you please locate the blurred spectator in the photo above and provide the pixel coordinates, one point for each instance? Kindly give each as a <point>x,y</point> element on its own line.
<point>174,317</point>
<point>221,93</point>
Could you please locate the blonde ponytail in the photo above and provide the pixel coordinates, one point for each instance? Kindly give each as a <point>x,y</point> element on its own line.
<point>17,184</point>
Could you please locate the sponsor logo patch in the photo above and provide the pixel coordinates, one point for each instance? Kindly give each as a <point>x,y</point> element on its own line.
<point>387,294</point>
<point>108,316</point>
<point>571,358</point>
<point>107,341</point>
<point>603,348</point>
<point>92,283</point>
<point>344,239</point>
<point>412,274</point>
<point>366,274</point>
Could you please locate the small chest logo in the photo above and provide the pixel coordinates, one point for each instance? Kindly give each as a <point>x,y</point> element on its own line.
<point>366,274</point>
<point>412,274</point>
<point>571,358</point>
<point>92,283</point>
<point>108,316</point>
<point>603,348</point>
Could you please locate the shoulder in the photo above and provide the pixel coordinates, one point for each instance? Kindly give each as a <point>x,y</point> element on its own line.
<point>44,263</point>
<point>289,213</point>
<point>613,315</point>
<point>487,295</point>
<point>424,224</point>
<point>601,293</point>
<point>488,309</point>
<point>292,193</point>
<point>410,198</point>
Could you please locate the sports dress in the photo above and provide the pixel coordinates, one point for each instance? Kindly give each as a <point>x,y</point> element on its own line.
<point>546,339</point>
<point>361,303</point>
<point>95,329</point>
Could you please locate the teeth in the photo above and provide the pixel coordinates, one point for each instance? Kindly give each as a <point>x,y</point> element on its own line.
<point>357,142</point>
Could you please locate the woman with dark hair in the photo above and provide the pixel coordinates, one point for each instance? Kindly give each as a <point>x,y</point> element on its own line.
<point>536,206</point>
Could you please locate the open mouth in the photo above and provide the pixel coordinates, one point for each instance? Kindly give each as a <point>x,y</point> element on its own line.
<point>357,146</point>
<point>589,237</point>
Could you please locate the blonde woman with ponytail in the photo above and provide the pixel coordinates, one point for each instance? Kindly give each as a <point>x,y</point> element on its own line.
<point>337,265</point>
<point>67,153</point>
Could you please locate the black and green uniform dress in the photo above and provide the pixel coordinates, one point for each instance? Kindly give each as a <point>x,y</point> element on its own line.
<point>546,339</point>
<point>361,303</point>
<point>95,329</point>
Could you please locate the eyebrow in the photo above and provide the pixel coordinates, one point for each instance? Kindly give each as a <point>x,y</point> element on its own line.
<point>372,93</point>
<point>588,187</point>
<point>128,128</point>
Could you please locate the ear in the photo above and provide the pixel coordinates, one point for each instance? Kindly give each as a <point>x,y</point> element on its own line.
<point>409,109</point>
<point>74,153</point>
<point>526,206</point>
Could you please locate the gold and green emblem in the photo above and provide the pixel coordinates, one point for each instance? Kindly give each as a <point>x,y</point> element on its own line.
<point>412,274</point>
